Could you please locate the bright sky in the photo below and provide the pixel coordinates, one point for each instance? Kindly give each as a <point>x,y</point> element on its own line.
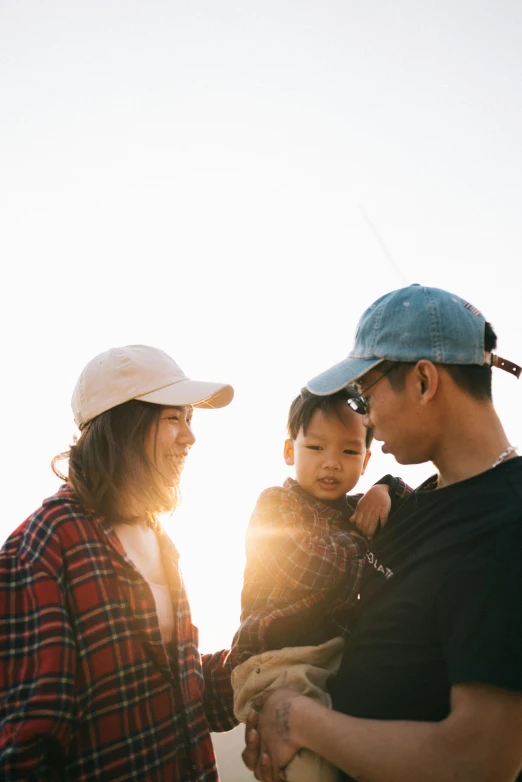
<point>235,182</point>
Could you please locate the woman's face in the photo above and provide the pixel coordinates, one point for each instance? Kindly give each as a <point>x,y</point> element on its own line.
<point>168,443</point>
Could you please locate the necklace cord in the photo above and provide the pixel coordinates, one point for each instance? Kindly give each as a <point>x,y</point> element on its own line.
<point>503,455</point>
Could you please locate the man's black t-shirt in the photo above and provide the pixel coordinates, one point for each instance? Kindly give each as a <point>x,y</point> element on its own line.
<point>441,601</point>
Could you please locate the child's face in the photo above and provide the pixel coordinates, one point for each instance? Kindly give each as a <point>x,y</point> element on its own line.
<point>330,458</point>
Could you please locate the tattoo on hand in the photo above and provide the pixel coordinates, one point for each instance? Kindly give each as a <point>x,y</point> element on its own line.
<point>282,722</point>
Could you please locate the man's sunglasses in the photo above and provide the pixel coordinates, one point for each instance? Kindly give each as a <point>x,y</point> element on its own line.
<point>359,403</point>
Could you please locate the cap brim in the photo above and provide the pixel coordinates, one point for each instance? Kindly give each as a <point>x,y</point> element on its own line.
<point>191,392</point>
<point>341,375</point>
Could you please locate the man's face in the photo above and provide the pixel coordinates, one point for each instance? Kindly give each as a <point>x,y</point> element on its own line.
<point>332,455</point>
<point>394,414</point>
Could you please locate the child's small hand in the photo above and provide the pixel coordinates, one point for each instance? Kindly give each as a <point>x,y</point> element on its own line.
<point>373,508</point>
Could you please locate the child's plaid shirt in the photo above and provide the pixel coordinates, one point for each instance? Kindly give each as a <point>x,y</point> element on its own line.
<point>304,566</point>
<point>87,689</point>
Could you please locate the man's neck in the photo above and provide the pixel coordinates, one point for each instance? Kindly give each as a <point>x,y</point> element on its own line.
<point>474,442</point>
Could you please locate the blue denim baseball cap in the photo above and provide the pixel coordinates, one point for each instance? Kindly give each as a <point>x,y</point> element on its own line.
<point>410,324</point>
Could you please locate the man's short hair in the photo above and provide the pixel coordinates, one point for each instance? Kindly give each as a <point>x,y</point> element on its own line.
<point>472,378</point>
<point>304,406</point>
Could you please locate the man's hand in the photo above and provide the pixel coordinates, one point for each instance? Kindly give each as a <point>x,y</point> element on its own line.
<point>250,754</point>
<point>371,509</point>
<point>268,735</point>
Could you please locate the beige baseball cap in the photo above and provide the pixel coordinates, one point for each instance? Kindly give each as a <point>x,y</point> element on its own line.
<point>144,373</point>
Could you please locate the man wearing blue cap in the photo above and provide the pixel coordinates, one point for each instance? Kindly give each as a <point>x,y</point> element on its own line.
<point>430,687</point>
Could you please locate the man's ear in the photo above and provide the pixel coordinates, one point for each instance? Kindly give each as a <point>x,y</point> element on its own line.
<point>289,452</point>
<point>365,462</point>
<point>427,379</point>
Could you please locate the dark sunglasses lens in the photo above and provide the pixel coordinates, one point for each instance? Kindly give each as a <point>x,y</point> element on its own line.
<point>358,404</point>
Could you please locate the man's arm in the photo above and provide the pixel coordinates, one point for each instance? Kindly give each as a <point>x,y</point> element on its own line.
<point>480,740</point>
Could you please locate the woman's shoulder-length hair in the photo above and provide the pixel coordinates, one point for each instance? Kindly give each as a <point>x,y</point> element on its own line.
<point>109,468</point>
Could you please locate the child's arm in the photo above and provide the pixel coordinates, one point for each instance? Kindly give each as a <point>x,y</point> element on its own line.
<point>399,490</point>
<point>372,509</point>
<point>380,500</point>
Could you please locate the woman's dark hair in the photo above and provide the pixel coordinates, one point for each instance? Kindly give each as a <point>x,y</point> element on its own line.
<point>473,378</point>
<point>109,467</point>
<point>304,406</point>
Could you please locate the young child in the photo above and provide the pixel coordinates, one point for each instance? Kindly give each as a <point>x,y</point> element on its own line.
<point>305,557</point>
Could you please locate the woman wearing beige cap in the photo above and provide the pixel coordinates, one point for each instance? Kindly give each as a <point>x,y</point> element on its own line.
<point>100,674</point>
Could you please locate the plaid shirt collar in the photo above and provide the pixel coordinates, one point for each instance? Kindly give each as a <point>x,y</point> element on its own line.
<point>329,511</point>
<point>169,551</point>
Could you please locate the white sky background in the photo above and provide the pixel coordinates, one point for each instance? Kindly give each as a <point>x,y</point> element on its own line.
<point>189,175</point>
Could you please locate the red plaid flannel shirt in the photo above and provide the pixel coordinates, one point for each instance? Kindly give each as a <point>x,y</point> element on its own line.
<point>300,552</point>
<point>88,691</point>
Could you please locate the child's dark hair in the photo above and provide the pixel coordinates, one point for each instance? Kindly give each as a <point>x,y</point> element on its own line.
<point>304,406</point>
